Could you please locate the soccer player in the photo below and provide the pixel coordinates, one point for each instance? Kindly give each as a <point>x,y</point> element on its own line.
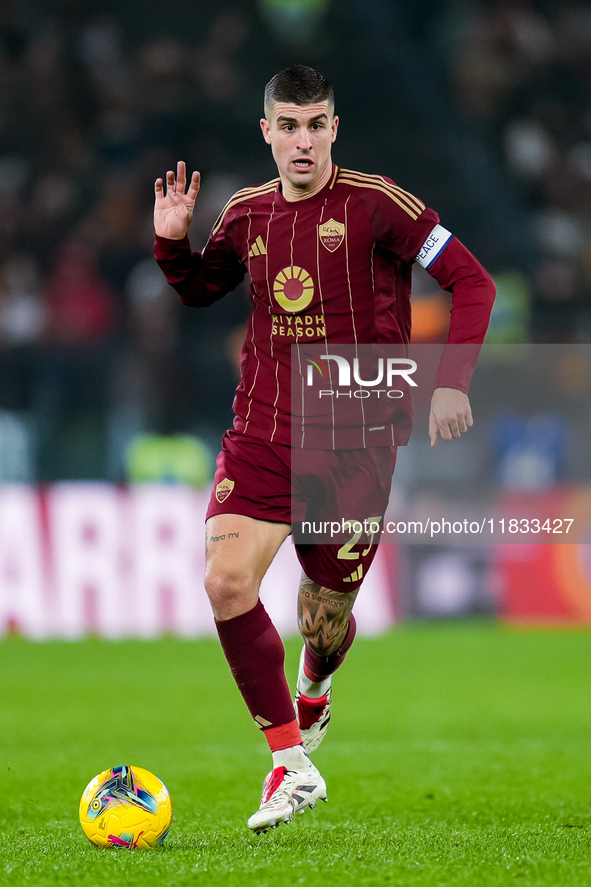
<point>330,251</point>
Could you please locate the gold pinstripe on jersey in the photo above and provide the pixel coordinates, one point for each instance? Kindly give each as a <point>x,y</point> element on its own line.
<point>406,201</point>
<point>350,291</point>
<point>386,184</point>
<point>376,178</point>
<point>262,190</point>
<point>240,197</point>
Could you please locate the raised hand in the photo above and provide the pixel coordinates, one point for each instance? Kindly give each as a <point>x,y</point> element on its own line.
<point>173,211</point>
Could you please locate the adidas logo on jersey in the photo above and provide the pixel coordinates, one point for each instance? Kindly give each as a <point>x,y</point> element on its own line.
<point>258,248</point>
<point>356,576</point>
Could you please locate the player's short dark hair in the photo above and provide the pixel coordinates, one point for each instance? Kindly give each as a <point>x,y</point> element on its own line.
<point>298,85</point>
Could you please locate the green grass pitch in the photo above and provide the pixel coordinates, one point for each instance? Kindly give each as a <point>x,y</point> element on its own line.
<point>459,754</point>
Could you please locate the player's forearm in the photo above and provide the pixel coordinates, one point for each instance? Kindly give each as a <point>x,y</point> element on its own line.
<point>199,281</point>
<point>183,270</point>
<point>473,293</point>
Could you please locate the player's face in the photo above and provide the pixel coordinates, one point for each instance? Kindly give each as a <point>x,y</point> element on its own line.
<point>301,138</point>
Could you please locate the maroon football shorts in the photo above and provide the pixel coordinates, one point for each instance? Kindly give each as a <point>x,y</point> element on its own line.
<point>313,489</point>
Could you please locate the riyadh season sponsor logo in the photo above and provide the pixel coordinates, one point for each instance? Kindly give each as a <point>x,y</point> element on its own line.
<point>346,374</point>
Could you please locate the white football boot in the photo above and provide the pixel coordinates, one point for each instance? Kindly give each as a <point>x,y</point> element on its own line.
<point>312,714</point>
<point>286,792</point>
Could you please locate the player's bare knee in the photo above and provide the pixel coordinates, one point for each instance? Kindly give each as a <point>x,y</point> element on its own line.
<point>229,591</point>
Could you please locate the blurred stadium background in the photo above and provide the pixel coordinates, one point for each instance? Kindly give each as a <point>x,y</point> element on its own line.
<point>483,109</point>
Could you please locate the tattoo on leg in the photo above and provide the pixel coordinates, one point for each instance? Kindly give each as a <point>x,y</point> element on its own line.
<point>323,616</point>
<point>224,536</point>
<point>221,538</point>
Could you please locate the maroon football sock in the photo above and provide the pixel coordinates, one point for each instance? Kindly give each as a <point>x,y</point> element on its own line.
<point>317,668</point>
<point>256,657</point>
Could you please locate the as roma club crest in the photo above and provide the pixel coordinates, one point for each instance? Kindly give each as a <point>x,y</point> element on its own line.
<point>223,489</point>
<point>331,234</point>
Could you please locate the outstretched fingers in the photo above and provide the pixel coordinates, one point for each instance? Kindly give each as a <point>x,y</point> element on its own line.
<point>178,184</point>
<point>181,180</point>
<point>174,204</point>
<point>159,185</point>
<point>194,185</point>
<point>181,177</point>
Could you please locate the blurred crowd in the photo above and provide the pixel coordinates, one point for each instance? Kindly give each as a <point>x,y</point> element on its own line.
<point>94,346</point>
<point>520,71</point>
<point>99,98</point>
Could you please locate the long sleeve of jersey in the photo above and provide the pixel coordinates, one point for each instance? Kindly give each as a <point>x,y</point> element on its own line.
<point>473,292</point>
<point>200,279</point>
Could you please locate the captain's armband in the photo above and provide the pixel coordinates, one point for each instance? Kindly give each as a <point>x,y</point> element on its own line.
<point>433,246</point>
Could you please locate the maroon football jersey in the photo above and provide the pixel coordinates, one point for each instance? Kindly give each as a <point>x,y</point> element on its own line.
<point>334,268</point>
